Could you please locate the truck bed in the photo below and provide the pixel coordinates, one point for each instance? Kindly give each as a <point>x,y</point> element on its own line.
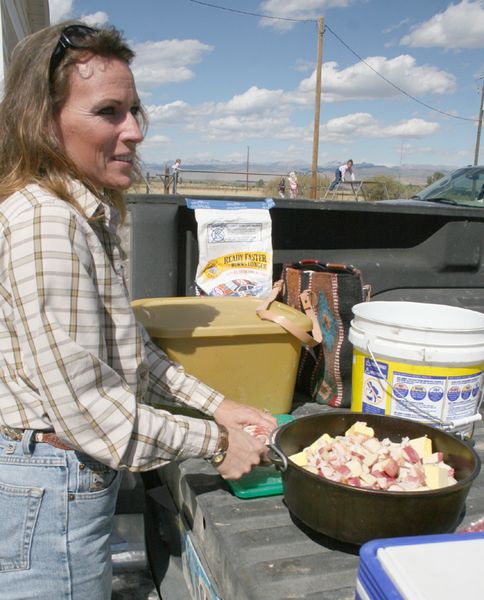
<point>255,549</point>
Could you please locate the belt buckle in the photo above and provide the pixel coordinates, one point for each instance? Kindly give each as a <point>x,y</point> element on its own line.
<point>11,433</point>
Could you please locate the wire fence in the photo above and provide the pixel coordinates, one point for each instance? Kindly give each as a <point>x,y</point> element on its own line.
<point>255,184</point>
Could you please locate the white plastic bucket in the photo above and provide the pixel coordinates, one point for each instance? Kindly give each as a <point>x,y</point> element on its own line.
<point>418,361</point>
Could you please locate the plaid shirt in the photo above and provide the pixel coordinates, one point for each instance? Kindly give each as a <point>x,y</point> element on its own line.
<point>72,357</point>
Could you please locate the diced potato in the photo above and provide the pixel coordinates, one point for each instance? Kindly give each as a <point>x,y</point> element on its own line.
<point>422,446</point>
<point>391,467</point>
<point>355,467</point>
<point>434,458</point>
<point>359,459</point>
<point>370,459</point>
<point>372,444</point>
<point>368,478</point>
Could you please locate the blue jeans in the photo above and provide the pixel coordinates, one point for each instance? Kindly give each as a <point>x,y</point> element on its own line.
<point>337,179</point>
<point>175,181</point>
<point>56,514</point>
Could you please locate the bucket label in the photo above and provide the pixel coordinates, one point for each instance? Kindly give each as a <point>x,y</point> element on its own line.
<point>422,392</point>
<point>463,393</point>
<point>414,392</point>
<point>375,374</point>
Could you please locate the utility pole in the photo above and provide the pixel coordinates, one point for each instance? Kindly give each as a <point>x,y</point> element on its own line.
<point>247,179</point>
<point>317,110</point>
<point>479,126</point>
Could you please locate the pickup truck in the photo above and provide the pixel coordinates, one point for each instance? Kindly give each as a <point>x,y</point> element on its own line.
<point>201,540</point>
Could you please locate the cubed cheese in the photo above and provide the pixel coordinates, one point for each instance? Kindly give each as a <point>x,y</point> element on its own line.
<point>361,428</point>
<point>435,476</point>
<point>300,458</point>
<point>321,442</point>
<point>422,446</point>
<point>311,469</point>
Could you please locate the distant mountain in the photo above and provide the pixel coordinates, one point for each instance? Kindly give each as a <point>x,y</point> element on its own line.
<point>406,173</point>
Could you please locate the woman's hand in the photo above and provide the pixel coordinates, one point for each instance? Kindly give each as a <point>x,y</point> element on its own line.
<point>236,415</point>
<point>244,452</point>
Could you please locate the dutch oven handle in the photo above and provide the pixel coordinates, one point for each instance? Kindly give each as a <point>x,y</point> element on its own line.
<point>276,456</point>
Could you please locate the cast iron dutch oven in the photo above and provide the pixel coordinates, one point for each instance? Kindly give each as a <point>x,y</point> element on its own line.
<point>355,515</point>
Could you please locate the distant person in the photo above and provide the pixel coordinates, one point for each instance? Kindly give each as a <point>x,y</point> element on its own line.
<point>343,173</point>
<point>175,168</point>
<point>293,185</point>
<point>282,187</point>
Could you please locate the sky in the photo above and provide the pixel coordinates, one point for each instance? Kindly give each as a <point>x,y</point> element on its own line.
<point>225,80</point>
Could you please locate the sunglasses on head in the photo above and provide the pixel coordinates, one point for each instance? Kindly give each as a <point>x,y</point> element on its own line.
<point>72,36</point>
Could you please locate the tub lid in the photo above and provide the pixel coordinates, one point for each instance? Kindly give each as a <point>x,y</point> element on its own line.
<point>420,315</point>
<point>209,316</point>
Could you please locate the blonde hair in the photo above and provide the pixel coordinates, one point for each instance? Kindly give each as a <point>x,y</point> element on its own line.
<point>30,151</point>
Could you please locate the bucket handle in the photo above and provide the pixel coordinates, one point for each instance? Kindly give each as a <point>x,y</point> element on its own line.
<point>451,425</point>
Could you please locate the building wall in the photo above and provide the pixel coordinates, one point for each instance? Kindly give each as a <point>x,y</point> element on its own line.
<point>18,19</point>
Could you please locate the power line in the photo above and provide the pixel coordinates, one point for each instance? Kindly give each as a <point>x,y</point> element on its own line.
<point>252,14</point>
<point>394,85</point>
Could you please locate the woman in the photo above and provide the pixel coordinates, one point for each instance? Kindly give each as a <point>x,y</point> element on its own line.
<point>77,374</point>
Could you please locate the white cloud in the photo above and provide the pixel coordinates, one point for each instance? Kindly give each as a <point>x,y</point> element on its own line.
<point>156,140</point>
<point>295,9</point>
<point>396,26</point>
<point>254,100</point>
<point>171,113</point>
<point>167,61</point>
<point>349,124</point>
<point>361,82</point>
<point>178,113</point>
<point>302,66</point>
<point>407,150</point>
<point>412,128</point>
<point>261,113</point>
<point>236,128</point>
<point>364,125</point>
<point>459,26</point>
<point>97,19</point>
<point>60,10</point>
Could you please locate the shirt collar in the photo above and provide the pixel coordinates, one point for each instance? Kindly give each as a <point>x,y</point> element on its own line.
<point>92,205</point>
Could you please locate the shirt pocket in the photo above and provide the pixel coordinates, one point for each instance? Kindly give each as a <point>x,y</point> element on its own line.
<point>22,505</point>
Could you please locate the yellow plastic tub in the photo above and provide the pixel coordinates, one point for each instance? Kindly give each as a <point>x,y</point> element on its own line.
<point>224,343</point>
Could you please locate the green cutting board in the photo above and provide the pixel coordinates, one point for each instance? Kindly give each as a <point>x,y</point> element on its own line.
<point>261,481</point>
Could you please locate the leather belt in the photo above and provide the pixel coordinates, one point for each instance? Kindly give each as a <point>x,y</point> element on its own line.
<point>40,437</point>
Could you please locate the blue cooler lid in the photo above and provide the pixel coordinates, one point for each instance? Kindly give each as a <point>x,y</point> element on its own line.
<point>433,567</point>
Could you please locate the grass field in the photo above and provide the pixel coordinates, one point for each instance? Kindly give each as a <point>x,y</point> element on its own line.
<point>201,189</point>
